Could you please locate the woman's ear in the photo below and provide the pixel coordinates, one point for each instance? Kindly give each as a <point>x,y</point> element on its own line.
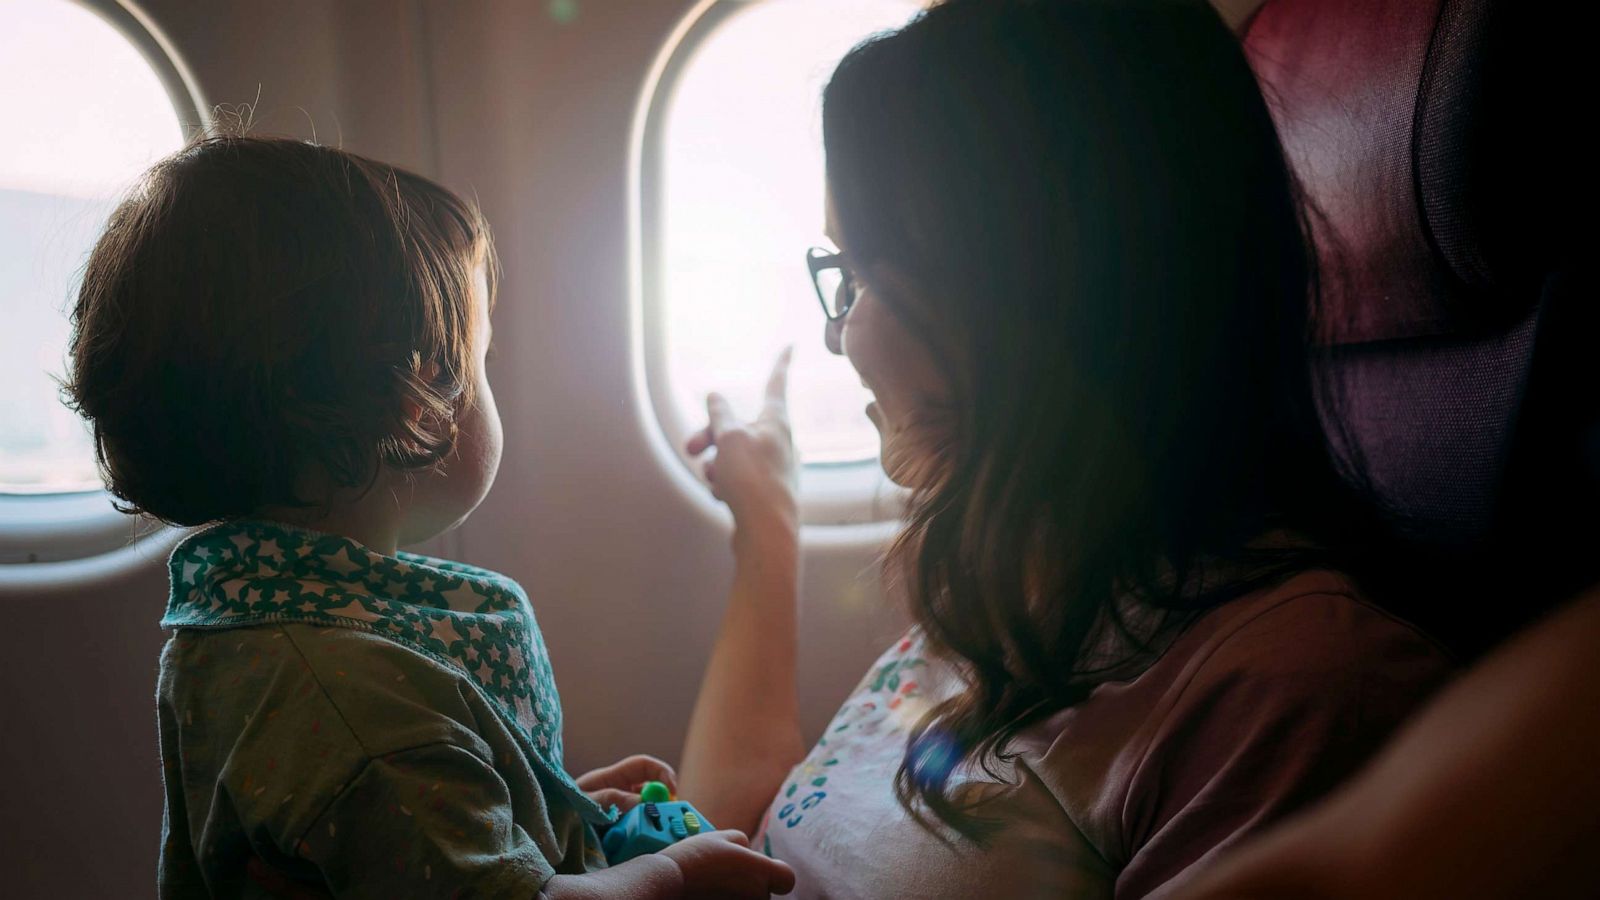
<point>913,306</point>
<point>890,282</point>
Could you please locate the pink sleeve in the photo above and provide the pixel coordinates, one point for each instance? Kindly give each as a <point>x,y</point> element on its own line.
<point>1289,705</point>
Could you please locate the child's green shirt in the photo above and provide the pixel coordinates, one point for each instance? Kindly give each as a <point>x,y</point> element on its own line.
<point>369,725</point>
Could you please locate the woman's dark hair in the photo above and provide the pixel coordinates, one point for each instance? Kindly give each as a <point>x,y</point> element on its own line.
<point>262,309</point>
<point>1094,206</point>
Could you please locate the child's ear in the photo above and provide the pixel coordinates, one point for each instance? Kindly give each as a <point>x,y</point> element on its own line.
<point>409,406</point>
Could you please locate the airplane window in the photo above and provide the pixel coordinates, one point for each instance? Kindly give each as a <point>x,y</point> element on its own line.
<point>739,169</point>
<point>86,112</point>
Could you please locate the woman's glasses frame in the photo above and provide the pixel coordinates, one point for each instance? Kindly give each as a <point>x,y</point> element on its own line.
<point>820,260</point>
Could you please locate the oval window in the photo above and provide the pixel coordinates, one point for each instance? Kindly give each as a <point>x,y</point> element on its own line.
<point>87,111</point>
<point>739,183</point>
<point>730,198</point>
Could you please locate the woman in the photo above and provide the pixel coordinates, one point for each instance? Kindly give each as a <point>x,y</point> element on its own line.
<point>1075,278</point>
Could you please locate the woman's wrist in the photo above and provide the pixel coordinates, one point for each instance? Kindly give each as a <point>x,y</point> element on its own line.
<point>766,574</point>
<point>770,516</point>
<point>649,877</point>
<point>665,877</point>
<point>769,507</point>
<point>772,535</point>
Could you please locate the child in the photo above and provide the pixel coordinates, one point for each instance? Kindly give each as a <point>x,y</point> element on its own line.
<point>286,343</point>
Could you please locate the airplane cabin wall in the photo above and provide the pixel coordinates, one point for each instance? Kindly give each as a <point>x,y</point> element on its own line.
<point>627,574</point>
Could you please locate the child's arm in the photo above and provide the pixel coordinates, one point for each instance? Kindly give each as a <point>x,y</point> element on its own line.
<point>744,735</point>
<point>438,821</point>
<point>718,864</point>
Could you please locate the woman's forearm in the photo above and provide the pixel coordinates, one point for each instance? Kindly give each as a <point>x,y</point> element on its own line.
<point>744,735</point>
<point>649,877</point>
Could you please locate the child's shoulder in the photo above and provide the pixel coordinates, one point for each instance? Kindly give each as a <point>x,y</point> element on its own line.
<point>385,695</point>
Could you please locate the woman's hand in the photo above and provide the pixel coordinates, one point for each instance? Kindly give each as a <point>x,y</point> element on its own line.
<point>721,866</point>
<point>716,865</point>
<point>755,471</point>
<point>620,782</point>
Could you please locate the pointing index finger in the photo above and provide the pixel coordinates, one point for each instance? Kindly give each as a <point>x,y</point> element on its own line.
<point>777,400</point>
<point>720,413</point>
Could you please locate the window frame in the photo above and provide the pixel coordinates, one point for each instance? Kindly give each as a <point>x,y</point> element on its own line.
<point>67,537</point>
<point>848,501</point>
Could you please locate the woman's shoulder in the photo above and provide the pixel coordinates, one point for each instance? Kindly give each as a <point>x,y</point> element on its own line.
<point>1315,623</point>
<point>1256,706</point>
<point>1311,648</point>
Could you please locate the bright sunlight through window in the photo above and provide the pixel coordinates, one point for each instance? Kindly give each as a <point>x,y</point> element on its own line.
<point>742,196</point>
<point>84,114</point>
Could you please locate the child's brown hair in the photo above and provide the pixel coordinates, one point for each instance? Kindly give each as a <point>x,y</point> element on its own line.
<point>262,314</point>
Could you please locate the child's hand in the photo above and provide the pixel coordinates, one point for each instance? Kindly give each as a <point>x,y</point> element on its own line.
<point>720,865</point>
<point>755,471</point>
<point>619,783</point>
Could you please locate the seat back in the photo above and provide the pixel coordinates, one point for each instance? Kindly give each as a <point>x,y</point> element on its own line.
<point>1433,141</point>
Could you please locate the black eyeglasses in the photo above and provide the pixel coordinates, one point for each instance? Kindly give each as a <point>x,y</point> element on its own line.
<point>836,288</point>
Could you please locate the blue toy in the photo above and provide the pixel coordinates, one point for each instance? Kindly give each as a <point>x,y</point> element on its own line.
<point>655,824</point>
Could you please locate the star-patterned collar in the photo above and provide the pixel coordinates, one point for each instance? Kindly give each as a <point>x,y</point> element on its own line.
<point>476,621</point>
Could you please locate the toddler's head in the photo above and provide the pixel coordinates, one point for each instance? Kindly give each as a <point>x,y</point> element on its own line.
<point>274,328</point>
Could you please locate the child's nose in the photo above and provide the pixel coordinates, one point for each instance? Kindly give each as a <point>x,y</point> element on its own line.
<point>832,335</point>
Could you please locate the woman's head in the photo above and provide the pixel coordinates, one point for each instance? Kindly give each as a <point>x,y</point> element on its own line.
<point>268,324</point>
<point>1077,216</point>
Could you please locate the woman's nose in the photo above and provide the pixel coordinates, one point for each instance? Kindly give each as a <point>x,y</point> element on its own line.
<point>832,335</point>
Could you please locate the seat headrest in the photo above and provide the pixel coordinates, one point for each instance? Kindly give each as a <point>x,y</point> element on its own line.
<point>1437,145</point>
<point>1422,135</point>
